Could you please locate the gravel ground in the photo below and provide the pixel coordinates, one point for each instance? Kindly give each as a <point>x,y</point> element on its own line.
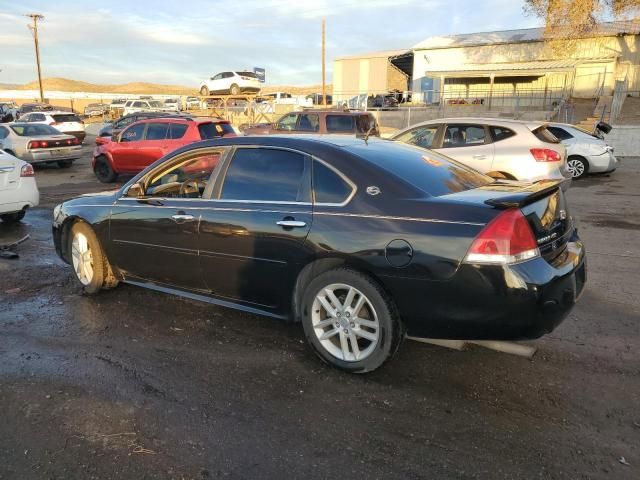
<point>135,384</point>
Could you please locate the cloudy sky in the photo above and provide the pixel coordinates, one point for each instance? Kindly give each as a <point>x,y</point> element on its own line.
<point>181,42</point>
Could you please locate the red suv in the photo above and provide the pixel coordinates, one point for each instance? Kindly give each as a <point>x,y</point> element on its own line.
<point>144,142</point>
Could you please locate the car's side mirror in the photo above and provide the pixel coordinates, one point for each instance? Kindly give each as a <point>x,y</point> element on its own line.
<point>136,190</point>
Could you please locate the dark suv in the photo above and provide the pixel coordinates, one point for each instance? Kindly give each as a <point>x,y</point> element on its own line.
<point>319,121</point>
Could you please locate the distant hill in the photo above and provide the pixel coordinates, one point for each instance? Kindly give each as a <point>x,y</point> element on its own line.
<point>68,85</point>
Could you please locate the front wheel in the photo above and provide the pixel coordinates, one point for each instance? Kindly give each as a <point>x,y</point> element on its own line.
<point>349,321</point>
<point>204,91</point>
<point>103,170</point>
<point>577,167</point>
<point>90,264</point>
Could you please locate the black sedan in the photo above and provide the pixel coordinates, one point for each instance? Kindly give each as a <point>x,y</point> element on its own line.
<point>362,241</point>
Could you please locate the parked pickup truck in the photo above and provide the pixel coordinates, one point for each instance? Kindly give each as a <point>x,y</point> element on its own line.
<point>318,121</point>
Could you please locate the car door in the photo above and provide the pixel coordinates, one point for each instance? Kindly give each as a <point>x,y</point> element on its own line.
<point>154,236</point>
<point>469,144</point>
<point>126,152</point>
<point>253,238</point>
<point>154,145</point>
<point>216,83</point>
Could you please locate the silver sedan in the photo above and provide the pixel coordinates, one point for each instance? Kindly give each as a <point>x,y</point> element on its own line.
<point>38,143</point>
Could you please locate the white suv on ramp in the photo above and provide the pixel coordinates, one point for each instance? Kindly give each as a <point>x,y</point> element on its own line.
<point>231,83</point>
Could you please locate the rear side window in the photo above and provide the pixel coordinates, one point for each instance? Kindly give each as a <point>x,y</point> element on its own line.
<point>544,135</point>
<point>501,133</point>
<point>177,130</point>
<point>328,186</point>
<point>157,131</point>
<point>339,123</point>
<point>560,133</point>
<point>263,174</point>
<point>66,117</point>
<point>133,133</point>
<point>214,130</point>
<point>463,136</point>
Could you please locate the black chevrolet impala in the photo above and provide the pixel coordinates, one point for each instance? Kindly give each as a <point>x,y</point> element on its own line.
<point>360,241</point>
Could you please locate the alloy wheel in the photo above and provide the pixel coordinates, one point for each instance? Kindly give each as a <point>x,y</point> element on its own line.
<point>575,168</point>
<point>82,258</point>
<point>345,322</point>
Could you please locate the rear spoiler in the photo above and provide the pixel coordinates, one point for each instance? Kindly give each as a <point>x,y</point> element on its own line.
<point>527,195</point>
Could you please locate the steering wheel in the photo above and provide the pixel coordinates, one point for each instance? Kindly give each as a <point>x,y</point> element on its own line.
<point>190,186</point>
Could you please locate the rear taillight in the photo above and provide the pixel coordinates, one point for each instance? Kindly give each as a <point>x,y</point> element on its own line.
<point>27,171</point>
<point>38,144</point>
<point>545,155</point>
<point>73,141</point>
<point>507,239</point>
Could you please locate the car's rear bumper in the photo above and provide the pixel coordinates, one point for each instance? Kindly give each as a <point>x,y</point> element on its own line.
<point>602,163</point>
<point>516,302</point>
<point>17,199</point>
<point>51,155</point>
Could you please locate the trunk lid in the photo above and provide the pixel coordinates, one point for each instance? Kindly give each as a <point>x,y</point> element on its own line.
<point>9,171</point>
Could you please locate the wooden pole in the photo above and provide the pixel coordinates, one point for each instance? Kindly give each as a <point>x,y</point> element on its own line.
<point>35,17</point>
<point>324,93</point>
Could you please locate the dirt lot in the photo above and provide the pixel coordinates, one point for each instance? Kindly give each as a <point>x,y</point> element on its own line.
<point>136,384</point>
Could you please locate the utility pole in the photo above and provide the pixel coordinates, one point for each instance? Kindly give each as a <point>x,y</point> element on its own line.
<point>34,30</point>
<point>324,94</point>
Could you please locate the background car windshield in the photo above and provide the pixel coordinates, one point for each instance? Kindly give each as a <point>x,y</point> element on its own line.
<point>66,117</point>
<point>432,173</point>
<point>34,130</point>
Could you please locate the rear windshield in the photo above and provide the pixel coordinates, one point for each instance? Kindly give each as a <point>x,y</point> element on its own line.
<point>430,172</point>
<point>214,130</point>
<point>544,135</point>
<point>247,74</point>
<point>67,117</point>
<point>34,130</point>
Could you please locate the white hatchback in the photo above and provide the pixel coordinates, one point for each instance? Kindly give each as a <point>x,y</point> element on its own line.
<point>586,152</point>
<point>66,122</point>
<point>18,189</point>
<point>502,148</point>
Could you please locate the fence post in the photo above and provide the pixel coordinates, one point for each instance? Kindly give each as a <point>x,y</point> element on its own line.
<point>408,117</point>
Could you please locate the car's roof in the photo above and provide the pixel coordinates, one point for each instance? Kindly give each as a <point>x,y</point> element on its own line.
<point>327,111</point>
<point>58,112</point>
<point>183,119</point>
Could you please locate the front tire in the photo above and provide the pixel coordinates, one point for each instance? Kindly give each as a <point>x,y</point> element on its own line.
<point>89,262</point>
<point>349,321</point>
<point>12,217</point>
<point>204,91</point>
<point>103,170</point>
<point>234,90</point>
<point>577,167</point>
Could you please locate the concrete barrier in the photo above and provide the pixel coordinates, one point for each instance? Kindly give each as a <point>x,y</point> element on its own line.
<point>625,139</point>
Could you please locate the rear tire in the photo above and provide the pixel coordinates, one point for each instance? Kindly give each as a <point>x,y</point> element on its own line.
<point>362,314</point>
<point>65,163</point>
<point>577,167</point>
<point>12,217</point>
<point>90,265</point>
<point>103,170</point>
<point>204,91</point>
<point>234,90</point>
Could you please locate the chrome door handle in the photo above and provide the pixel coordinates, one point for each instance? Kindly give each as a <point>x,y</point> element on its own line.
<point>182,217</point>
<point>291,223</point>
<point>479,157</point>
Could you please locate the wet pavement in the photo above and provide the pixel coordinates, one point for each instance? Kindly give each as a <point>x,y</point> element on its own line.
<point>136,384</point>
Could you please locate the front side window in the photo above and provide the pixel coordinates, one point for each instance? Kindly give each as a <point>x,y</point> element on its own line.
<point>420,136</point>
<point>328,186</point>
<point>265,174</point>
<point>463,136</point>
<point>308,122</point>
<point>157,131</point>
<point>185,179</point>
<point>339,123</point>
<point>133,133</point>
<point>288,122</point>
